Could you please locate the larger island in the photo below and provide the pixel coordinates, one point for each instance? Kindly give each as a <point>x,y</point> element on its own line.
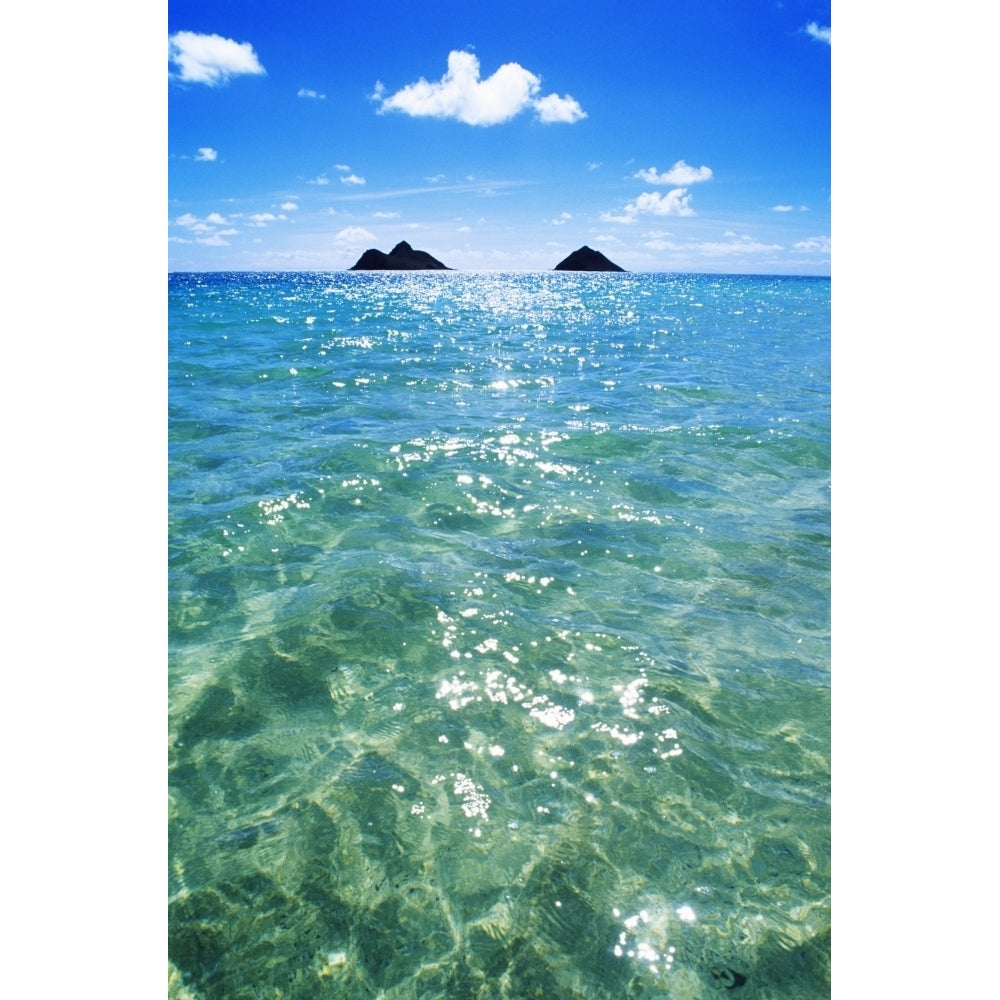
<point>402,257</point>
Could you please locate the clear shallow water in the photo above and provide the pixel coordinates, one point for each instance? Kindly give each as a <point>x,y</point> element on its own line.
<point>499,635</point>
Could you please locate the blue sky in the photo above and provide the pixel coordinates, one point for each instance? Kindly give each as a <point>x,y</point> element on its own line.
<point>672,136</point>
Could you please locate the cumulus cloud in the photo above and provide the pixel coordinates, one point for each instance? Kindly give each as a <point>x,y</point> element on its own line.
<point>820,34</point>
<point>783,208</point>
<point>322,179</point>
<point>208,224</point>
<point>352,179</point>
<point>306,92</point>
<point>189,220</point>
<point>289,206</point>
<point>206,230</point>
<point>679,173</point>
<point>676,202</point>
<point>463,95</point>
<point>206,154</point>
<point>553,108</point>
<point>385,215</point>
<point>210,59</point>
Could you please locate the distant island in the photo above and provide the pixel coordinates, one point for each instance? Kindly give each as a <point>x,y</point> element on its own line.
<point>402,257</point>
<point>586,259</point>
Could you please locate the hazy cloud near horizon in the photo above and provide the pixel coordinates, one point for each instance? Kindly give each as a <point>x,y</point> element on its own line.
<point>354,236</point>
<point>463,95</point>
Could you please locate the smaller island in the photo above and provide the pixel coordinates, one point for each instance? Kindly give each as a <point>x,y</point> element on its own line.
<point>402,257</point>
<point>586,259</point>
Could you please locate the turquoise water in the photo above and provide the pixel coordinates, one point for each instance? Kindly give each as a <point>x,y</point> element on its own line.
<point>499,635</point>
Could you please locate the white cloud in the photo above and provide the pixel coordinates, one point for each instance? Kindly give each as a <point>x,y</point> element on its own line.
<point>210,59</point>
<point>306,92</point>
<point>461,94</point>
<point>322,179</point>
<point>676,202</point>
<point>353,235</point>
<point>594,166</point>
<point>207,225</point>
<point>206,154</point>
<point>820,34</point>
<point>385,215</point>
<point>342,167</point>
<point>608,217</point>
<point>814,244</point>
<point>783,208</point>
<point>352,179</point>
<point>679,173</point>
<point>738,245</point>
<point>553,108</point>
<point>261,219</point>
<point>289,206</point>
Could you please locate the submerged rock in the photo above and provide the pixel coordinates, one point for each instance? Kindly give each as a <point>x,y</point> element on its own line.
<point>402,257</point>
<point>586,259</point>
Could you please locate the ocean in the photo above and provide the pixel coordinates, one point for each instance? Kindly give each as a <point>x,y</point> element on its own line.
<point>499,636</point>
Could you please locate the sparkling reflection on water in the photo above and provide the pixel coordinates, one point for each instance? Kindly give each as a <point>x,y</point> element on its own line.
<point>499,636</point>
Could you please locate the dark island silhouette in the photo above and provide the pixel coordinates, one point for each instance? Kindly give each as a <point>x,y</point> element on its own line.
<point>586,259</point>
<point>402,257</point>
